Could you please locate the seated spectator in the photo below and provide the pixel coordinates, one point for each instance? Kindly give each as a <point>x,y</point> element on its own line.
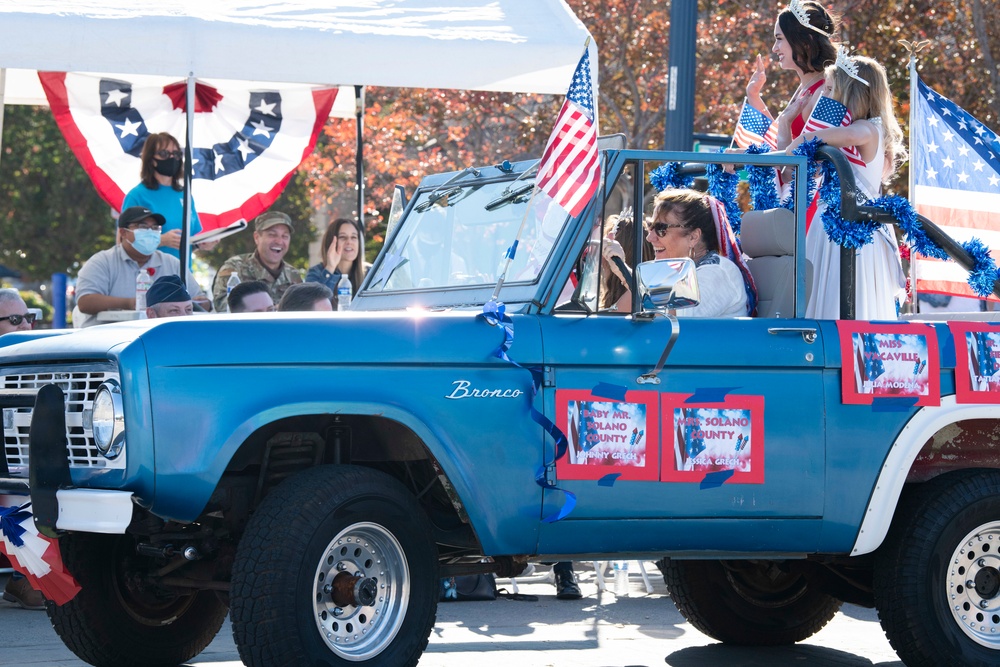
<point>307,296</point>
<point>250,297</point>
<point>107,279</point>
<point>14,315</point>
<point>343,249</point>
<point>168,298</point>
<point>272,234</point>
<point>686,223</point>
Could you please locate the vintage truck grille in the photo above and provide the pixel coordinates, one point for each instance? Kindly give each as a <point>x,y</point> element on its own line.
<point>80,387</point>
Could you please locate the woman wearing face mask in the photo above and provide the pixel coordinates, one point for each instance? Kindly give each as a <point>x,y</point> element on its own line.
<point>160,190</point>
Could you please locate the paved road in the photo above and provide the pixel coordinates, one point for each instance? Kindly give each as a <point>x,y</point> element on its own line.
<point>642,630</point>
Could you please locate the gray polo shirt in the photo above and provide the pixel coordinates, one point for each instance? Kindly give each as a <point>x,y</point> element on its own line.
<point>112,272</point>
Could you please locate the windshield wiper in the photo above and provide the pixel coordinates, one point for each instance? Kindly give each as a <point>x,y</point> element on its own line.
<point>508,196</point>
<point>436,193</point>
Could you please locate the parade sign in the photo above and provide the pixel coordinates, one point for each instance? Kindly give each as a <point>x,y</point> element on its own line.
<point>701,438</point>
<point>977,360</point>
<point>608,436</point>
<point>898,361</point>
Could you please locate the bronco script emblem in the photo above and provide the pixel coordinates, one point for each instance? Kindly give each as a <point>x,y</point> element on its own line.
<point>463,390</point>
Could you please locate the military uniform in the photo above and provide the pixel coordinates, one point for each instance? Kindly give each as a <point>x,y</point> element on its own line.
<point>248,267</point>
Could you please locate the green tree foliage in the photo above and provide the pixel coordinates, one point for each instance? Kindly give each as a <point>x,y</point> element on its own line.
<point>51,218</point>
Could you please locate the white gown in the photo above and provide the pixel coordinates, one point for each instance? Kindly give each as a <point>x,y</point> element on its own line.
<point>880,280</point>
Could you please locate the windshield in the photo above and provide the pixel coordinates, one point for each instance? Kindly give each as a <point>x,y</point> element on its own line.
<point>461,239</point>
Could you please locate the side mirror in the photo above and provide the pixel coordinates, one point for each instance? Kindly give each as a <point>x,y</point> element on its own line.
<point>396,210</point>
<point>668,284</point>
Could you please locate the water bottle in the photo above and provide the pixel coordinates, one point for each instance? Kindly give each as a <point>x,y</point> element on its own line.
<point>344,292</point>
<point>234,280</point>
<point>142,282</point>
<point>621,578</point>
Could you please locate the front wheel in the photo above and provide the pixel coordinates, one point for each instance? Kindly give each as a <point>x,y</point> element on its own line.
<point>752,603</point>
<point>336,567</point>
<point>937,576</point>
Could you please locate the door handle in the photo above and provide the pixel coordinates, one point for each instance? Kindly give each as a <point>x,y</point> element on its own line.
<point>808,333</point>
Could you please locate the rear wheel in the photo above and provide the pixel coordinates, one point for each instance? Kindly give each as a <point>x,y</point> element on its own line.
<point>937,576</point>
<point>119,618</point>
<point>336,567</point>
<point>753,603</point>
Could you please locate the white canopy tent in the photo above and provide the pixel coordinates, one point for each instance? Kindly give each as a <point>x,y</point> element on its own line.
<point>526,46</point>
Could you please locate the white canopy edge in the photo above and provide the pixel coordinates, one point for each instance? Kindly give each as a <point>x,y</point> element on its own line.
<point>524,46</point>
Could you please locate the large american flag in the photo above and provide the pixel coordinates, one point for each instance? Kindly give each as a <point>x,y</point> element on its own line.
<point>956,183</point>
<point>753,127</point>
<point>569,171</point>
<point>829,113</point>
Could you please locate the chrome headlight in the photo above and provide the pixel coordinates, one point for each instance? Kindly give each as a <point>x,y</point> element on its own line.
<point>109,419</point>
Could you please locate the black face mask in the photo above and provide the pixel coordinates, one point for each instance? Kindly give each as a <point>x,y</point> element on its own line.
<point>168,167</point>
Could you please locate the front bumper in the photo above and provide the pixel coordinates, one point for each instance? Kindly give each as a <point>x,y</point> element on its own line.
<point>55,504</point>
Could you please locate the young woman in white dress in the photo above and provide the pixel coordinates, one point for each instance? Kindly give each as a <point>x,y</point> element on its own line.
<point>860,84</point>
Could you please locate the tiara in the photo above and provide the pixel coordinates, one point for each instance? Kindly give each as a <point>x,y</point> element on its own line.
<point>801,15</point>
<point>846,63</point>
<point>624,216</point>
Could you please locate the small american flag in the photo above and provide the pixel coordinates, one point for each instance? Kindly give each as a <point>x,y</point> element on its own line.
<point>569,171</point>
<point>753,127</point>
<point>830,113</point>
<point>984,353</point>
<point>873,365</point>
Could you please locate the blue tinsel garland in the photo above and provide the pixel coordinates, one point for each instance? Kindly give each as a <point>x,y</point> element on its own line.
<point>722,185</point>
<point>763,191</point>
<point>666,176</point>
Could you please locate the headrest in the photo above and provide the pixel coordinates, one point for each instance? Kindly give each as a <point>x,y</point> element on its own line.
<point>768,233</point>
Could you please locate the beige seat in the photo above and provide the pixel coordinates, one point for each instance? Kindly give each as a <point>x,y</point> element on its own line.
<point>768,238</point>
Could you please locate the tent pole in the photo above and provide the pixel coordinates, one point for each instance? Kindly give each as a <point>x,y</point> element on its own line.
<point>185,250</point>
<point>359,112</point>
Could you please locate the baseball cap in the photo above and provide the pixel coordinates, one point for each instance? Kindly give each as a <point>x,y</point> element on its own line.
<point>134,214</point>
<point>270,219</point>
<point>167,289</point>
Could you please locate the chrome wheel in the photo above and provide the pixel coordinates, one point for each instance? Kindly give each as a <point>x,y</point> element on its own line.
<point>361,591</point>
<point>973,585</point>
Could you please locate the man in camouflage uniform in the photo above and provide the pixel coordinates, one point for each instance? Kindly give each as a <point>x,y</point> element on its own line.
<point>272,233</point>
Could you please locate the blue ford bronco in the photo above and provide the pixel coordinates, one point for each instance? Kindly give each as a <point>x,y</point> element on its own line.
<point>315,475</point>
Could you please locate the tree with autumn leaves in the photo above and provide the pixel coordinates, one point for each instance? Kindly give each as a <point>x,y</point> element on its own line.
<point>411,133</point>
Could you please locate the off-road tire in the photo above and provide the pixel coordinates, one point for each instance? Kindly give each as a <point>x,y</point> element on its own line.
<point>946,532</point>
<point>750,603</point>
<point>316,527</point>
<point>109,624</point>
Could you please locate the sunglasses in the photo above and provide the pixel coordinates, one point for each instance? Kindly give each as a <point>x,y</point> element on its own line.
<point>660,228</point>
<point>17,319</point>
<point>163,155</point>
<point>143,225</point>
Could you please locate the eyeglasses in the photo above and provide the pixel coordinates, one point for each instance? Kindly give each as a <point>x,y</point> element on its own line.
<point>163,155</point>
<point>144,225</point>
<point>660,228</point>
<point>17,319</point>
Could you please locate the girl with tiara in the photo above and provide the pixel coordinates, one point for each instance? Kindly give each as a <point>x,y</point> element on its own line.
<point>802,43</point>
<point>860,84</point>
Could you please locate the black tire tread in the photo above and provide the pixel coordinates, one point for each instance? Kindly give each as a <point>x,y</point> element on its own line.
<point>81,622</point>
<point>694,587</point>
<point>923,512</point>
<point>260,630</point>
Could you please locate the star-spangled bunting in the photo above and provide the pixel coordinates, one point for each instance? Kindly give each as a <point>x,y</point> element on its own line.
<point>569,171</point>
<point>247,142</point>
<point>753,127</point>
<point>955,161</point>
<point>829,113</point>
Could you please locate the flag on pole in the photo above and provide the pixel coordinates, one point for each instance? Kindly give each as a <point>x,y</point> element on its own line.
<point>753,127</point>
<point>248,137</point>
<point>955,162</point>
<point>569,171</point>
<point>829,113</point>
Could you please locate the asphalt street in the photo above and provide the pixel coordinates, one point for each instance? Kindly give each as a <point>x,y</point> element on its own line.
<point>600,630</point>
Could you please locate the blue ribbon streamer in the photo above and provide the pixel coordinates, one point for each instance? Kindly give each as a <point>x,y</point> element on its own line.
<point>10,523</point>
<point>494,313</point>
